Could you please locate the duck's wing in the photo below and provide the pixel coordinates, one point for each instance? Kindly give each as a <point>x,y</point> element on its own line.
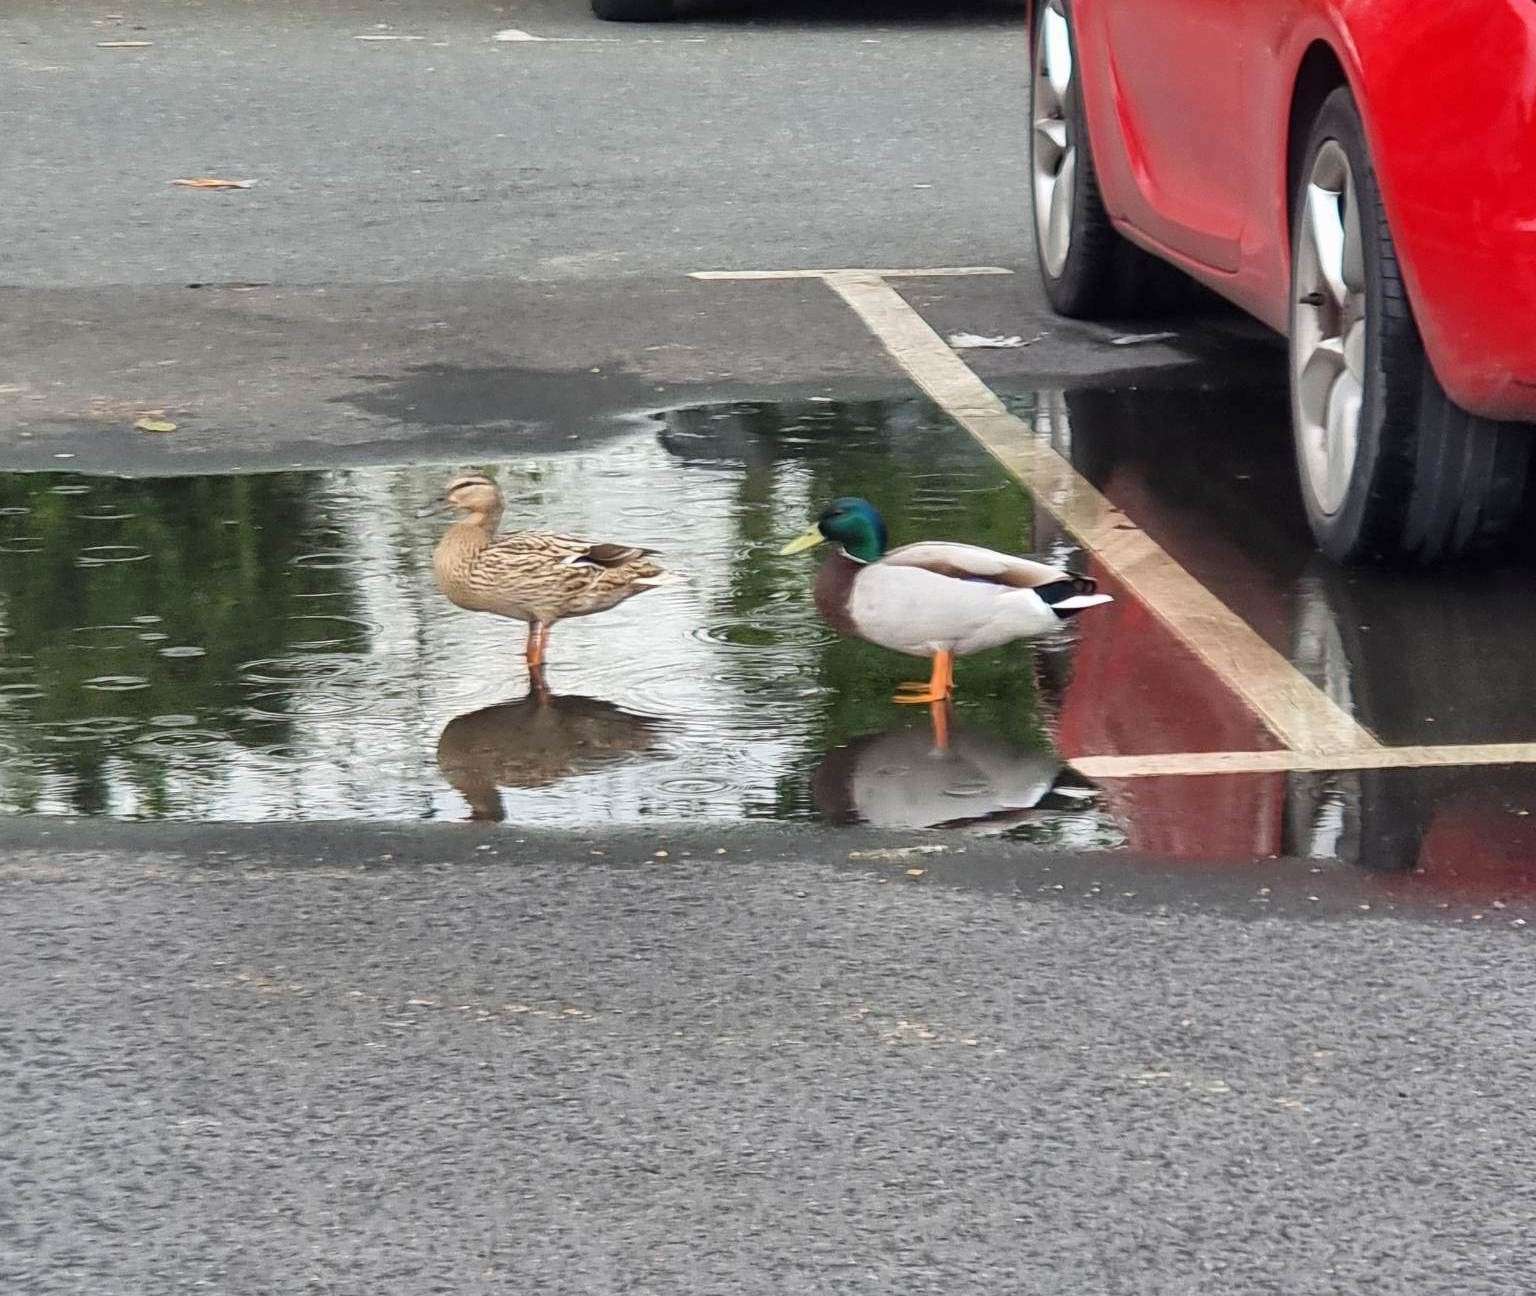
<point>569,551</point>
<point>974,563</point>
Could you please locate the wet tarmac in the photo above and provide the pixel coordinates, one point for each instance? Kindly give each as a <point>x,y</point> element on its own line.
<point>270,647</point>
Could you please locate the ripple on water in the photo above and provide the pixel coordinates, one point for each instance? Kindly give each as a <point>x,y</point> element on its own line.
<point>102,726</point>
<point>737,634</point>
<point>15,510</point>
<point>648,512</point>
<point>105,555</point>
<point>183,650</point>
<point>21,545</point>
<point>355,633</point>
<point>21,692</point>
<point>104,636</point>
<point>693,786</point>
<point>291,671</point>
<point>180,740</point>
<point>328,560</point>
<point>116,683</point>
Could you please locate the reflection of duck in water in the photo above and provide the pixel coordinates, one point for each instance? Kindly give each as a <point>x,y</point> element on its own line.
<point>534,742</point>
<point>934,599</point>
<point>902,779</point>
<point>535,576</point>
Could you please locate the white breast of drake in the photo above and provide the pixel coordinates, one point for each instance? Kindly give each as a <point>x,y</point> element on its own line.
<point>938,596</point>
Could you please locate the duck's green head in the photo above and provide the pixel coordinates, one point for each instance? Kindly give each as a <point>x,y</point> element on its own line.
<point>849,522</point>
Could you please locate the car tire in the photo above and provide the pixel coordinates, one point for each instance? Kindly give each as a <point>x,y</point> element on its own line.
<point>632,10</point>
<point>1088,269</point>
<point>1391,468</point>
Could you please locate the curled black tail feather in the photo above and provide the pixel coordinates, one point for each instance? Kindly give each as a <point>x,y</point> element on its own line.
<point>1073,584</point>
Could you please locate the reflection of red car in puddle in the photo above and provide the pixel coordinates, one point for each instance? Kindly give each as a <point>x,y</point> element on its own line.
<point>1134,689</point>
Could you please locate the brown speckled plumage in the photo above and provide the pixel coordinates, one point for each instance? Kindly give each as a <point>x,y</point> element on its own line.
<point>534,576</point>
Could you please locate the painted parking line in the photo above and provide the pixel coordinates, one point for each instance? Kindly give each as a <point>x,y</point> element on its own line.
<point>942,272</point>
<point>1301,716</point>
<point>1283,762</point>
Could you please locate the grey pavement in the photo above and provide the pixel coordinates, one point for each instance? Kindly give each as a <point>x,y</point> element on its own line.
<point>541,1068</point>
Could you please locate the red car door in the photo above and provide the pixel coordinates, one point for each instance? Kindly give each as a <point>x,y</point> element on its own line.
<point>1169,108</point>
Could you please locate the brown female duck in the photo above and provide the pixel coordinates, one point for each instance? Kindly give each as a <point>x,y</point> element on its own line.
<point>535,576</point>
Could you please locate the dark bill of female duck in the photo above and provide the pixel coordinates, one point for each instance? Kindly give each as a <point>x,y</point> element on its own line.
<point>938,599</point>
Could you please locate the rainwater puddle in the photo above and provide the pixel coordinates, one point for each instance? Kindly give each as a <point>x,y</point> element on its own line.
<point>272,646</point>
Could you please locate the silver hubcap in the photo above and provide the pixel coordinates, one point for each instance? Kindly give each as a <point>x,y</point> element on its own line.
<point>1328,330</point>
<point>1055,168</point>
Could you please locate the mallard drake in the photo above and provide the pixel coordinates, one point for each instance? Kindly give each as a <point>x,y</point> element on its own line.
<point>535,576</point>
<point>935,598</point>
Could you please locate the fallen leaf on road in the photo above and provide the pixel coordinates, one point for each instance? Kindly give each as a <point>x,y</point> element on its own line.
<point>213,182</point>
<point>916,872</point>
<point>155,425</point>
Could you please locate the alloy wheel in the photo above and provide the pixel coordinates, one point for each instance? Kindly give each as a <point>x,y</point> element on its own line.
<point>1328,329</point>
<point>1055,151</point>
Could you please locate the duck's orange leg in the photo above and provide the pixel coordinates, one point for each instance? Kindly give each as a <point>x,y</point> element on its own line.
<point>938,713</point>
<point>538,641</point>
<point>941,683</point>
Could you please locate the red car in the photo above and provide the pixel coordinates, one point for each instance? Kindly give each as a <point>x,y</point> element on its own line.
<point>1359,175</point>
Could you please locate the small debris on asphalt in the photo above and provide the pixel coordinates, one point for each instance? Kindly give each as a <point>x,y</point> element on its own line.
<point>976,341</point>
<point>212,182</point>
<point>916,872</point>
<point>1136,339</point>
<point>896,852</point>
<point>155,425</point>
<point>513,34</point>
<point>124,44</point>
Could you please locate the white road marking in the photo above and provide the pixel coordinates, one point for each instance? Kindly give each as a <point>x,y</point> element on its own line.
<point>940,273</point>
<point>1279,762</point>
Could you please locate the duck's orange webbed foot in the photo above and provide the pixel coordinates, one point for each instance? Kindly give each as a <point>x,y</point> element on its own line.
<point>938,686</point>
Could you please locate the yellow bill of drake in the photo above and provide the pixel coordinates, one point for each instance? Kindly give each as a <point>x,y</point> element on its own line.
<point>799,544</point>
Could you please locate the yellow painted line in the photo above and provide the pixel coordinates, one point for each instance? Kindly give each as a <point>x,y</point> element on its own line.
<point>1279,762</point>
<point>940,272</point>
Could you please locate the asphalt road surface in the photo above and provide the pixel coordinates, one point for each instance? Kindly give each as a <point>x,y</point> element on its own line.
<point>459,1058</point>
